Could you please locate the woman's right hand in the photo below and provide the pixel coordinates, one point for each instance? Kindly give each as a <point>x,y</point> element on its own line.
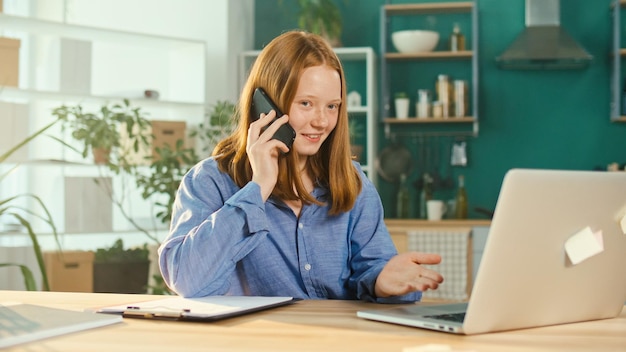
<point>263,151</point>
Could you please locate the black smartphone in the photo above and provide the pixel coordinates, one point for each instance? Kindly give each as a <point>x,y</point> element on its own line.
<point>261,103</point>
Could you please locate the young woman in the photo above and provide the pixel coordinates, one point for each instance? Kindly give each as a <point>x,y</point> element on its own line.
<point>257,218</point>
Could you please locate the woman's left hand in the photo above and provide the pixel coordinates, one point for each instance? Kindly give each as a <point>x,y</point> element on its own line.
<point>404,274</point>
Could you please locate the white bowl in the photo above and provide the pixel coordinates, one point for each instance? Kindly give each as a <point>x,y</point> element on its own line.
<point>414,41</point>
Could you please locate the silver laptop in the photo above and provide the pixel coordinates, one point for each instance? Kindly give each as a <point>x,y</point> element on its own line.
<point>21,323</point>
<point>527,278</point>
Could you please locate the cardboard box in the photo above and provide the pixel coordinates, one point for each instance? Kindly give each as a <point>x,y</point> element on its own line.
<point>167,133</point>
<point>164,132</point>
<point>9,61</point>
<point>70,271</point>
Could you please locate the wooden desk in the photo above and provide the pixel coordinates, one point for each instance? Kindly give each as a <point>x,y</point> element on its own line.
<point>304,326</point>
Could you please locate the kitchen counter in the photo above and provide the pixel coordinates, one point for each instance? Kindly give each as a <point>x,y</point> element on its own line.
<point>409,223</point>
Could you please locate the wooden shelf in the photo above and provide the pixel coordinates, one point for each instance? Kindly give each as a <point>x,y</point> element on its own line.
<point>620,119</point>
<point>413,223</point>
<point>431,55</point>
<point>411,9</point>
<point>429,120</point>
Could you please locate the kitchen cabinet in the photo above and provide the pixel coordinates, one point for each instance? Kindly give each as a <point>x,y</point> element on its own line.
<point>360,69</point>
<point>419,70</point>
<point>65,63</point>
<point>618,53</point>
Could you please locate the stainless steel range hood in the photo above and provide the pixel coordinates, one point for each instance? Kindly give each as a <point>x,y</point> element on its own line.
<point>544,44</point>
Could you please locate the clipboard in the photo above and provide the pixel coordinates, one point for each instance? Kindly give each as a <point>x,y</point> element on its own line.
<point>204,309</point>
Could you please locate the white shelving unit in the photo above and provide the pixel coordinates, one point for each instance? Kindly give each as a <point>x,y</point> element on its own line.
<point>133,62</point>
<point>617,55</point>
<point>172,63</point>
<point>367,111</point>
<point>467,125</point>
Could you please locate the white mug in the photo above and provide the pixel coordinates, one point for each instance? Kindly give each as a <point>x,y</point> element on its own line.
<point>436,209</point>
<point>402,107</point>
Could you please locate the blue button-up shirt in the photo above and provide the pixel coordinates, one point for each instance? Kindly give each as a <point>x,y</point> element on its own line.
<point>224,240</point>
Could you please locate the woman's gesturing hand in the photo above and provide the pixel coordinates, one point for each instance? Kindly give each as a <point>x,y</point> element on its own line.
<point>404,274</point>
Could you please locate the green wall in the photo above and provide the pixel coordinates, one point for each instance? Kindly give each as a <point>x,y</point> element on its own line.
<point>534,119</point>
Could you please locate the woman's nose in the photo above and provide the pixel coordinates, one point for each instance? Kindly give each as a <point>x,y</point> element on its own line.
<point>320,119</point>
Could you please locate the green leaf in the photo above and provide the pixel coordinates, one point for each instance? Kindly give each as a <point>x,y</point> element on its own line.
<point>29,278</point>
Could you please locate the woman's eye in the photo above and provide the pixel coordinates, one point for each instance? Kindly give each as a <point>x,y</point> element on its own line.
<point>305,103</point>
<point>333,106</point>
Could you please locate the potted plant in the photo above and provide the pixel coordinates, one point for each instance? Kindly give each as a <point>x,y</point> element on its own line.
<point>125,132</point>
<point>101,133</point>
<point>9,208</point>
<point>356,133</point>
<point>119,129</point>
<point>321,17</point>
<point>120,270</point>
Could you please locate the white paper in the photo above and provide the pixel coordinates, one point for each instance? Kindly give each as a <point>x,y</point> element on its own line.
<point>584,245</point>
<point>622,224</point>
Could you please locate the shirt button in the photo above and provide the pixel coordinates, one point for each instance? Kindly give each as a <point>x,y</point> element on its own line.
<point>300,226</point>
<point>307,267</point>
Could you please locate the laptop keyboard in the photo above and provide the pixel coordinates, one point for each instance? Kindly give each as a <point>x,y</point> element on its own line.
<point>454,317</point>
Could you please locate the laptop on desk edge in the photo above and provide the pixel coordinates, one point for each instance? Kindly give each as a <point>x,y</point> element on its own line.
<point>525,278</point>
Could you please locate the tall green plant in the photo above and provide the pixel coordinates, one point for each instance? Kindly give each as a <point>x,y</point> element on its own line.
<point>9,209</point>
<point>220,122</point>
<point>166,172</point>
<point>172,163</point>
<point>120,128</point>
<point>320,17</point>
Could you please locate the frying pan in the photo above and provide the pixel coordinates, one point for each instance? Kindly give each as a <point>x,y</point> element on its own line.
<point>393,161</point>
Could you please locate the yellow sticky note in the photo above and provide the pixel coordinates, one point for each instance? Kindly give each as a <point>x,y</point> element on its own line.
<point>584,245</point>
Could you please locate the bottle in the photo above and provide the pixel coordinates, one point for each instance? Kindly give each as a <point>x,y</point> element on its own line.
<point>460,98</point>
<point>426,194</point>
<point>444,94</point>
<point>461,199</point>
<point>457,39</point>
<point>402,199</point>
<point>623,109</point>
